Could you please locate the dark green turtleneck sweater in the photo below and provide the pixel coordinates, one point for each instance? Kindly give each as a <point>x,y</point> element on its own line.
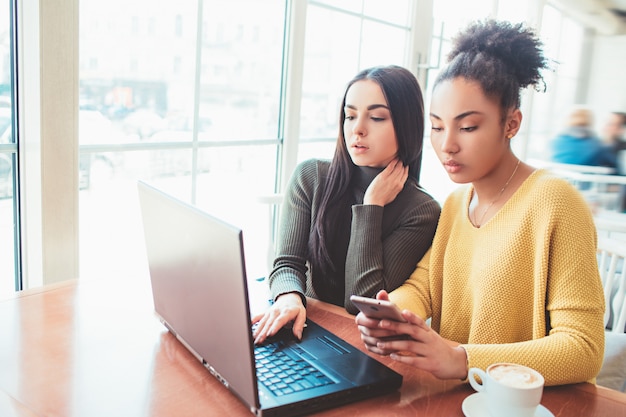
<point>379,246</point>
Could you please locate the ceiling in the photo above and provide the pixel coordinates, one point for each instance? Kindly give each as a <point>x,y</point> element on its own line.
<point>607,17</point>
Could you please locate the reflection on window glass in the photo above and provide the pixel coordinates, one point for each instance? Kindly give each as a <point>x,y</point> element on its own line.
<point>167,106</point>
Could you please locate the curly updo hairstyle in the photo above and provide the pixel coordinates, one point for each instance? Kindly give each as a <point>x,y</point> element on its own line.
<point>502,57</point>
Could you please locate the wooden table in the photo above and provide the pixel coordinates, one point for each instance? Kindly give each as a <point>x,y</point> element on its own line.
<point>90,349</point>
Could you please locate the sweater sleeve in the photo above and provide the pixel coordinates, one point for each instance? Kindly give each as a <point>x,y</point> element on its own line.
<point>414,293</point>
<point>290,264</point>
<point>376,262</point>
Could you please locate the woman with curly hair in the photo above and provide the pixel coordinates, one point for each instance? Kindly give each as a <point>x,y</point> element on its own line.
<point>361,222</point>
<point>512,274</point>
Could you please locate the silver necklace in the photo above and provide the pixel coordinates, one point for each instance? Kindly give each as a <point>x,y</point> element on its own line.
<point>478,222</point>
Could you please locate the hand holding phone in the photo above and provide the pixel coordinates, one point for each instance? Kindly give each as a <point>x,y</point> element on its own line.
<point>377,309</point>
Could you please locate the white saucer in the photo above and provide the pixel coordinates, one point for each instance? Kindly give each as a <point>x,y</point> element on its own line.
<point>474,406</point>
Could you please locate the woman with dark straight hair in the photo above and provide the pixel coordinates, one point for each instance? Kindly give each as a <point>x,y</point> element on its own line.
<point>361,222</point>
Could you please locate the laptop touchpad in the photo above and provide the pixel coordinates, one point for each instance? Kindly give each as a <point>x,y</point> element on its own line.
<point>322,347</point>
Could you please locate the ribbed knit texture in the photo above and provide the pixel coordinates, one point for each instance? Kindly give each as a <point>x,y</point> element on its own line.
<point>380,246</point>
<point>523,288</point>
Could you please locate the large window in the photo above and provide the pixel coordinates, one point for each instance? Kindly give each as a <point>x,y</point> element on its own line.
<point>191,103</point>
<point>214,101</point>
<point>9,225</point>
<point>198,100</point>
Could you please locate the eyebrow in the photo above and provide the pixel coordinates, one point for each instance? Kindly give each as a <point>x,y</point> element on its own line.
<point>460,116</point>
<point>370,107</point>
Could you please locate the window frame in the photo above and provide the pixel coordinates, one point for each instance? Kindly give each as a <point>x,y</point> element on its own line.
<point>47,108</point>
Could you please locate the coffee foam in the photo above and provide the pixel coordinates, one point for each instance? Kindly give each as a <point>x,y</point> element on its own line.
<point>515,376</point>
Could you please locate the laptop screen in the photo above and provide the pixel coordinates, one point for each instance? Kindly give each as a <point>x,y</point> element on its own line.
<point>199,286</point>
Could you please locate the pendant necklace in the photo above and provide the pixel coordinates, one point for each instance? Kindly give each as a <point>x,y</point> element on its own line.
<point>478,222</point>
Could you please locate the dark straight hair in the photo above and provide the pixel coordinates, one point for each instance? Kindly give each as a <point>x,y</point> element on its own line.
<point>406,106</point>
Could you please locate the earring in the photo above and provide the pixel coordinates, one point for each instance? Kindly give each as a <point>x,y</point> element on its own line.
<point>509,136</point>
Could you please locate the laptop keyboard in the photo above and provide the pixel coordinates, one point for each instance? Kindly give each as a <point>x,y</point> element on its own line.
<point>283,374</point>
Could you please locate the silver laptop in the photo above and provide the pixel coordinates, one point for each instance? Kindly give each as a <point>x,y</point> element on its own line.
<point>199,287</point>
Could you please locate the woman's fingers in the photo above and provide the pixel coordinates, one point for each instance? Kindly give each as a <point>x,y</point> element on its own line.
<point>387,184</point>
<point>286,308</point>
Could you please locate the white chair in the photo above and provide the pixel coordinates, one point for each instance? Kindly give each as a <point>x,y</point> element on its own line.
<point>611,224</point>
<point>612,253</point>
<point>611,261</point>
<point>602,191</point>
<point>556,166</point>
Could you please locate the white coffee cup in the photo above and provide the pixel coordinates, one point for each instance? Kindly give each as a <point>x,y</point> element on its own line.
<point>509,389</point>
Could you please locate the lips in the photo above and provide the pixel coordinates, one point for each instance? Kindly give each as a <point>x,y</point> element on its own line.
<point>452,166</point>
<point>359,148</point>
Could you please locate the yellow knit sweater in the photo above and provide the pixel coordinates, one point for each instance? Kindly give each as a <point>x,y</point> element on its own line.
<point>523,288</point>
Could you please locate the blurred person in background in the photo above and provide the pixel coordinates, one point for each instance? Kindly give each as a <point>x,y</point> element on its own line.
<point>578,144</point>
<point>614,131</point>
<point>614,135</point>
